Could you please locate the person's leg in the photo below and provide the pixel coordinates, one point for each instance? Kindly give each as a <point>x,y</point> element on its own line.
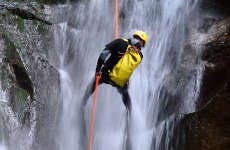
<point>89,91</point>
<point>127,102</point>
<point>125,97</point>
<point>83,133</point>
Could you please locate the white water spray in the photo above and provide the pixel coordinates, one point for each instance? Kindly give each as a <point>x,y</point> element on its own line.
<point>160,88</point>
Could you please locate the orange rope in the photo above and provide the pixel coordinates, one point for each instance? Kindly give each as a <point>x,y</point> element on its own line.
<point>116,15</point>
<point>93,113</point>
<point>116,35</point>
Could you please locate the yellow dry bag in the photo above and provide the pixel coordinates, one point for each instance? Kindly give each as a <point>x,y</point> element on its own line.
<point>126,65</point>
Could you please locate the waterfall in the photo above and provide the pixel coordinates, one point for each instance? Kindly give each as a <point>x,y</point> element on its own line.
<point>12,135</point>
<point>162,87</point>
<point>8,120</point>
<point>2,132</point>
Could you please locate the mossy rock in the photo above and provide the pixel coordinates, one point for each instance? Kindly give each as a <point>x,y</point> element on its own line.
<point>39,1</point>
<point>45,1</point>
<point>20,97</point>
<point>41,28</point>
<point>13,58</point>
<point>21,94</point>
<point>11,52</point>
<point>20,24</point>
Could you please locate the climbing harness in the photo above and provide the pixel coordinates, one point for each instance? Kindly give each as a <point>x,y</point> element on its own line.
<point>98,78</point>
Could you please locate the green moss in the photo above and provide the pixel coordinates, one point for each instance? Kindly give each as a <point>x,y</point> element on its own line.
<point>19,99</point>
<point>20,1</point>
<point>44,1</point>
<point>20,24</point>
<point>41,28</point>
<point>21,94</point>
<point>11,52</point>
<point>39,1</point>
<point>34,22</point>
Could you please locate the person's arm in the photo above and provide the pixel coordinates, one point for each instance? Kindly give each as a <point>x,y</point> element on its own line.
<point>117,44</point>
<point>102,59</point>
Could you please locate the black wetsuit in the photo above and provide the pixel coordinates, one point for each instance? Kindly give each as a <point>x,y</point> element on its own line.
<point>109,57</point>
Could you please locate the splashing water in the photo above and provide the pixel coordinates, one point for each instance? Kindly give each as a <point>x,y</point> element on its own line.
<point>162,87</point>
<point>2,147</point>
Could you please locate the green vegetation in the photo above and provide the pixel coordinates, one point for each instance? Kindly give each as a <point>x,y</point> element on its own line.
<point>11,53</point>
<point>20,24</point>
<point>20,0</point>
<point>21,94</point>
<point>39,1</point>
<point>19,100</point>
<point>44,1</point>
<point>41,28</point>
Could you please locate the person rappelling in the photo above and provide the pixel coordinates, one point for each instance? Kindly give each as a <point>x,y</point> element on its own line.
<point>116,64</point>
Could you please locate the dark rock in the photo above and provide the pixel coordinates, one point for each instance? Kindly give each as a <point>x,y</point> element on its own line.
<point>57,1</point>
<point>217,6</point>
<point>23,79</point>
<point>217,53</point>
<point>208,127</point>
<point>26,15</point>
<point>27,71</point>
<point>14,60</point>
<point>228,86</point>
<point>206,23</point>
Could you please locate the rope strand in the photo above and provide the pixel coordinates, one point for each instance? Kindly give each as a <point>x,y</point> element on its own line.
<point>93,113</point>
<point>116,17</point>
<point>116,35</point>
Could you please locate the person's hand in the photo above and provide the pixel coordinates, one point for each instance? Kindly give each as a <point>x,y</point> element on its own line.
<point>98,74</point>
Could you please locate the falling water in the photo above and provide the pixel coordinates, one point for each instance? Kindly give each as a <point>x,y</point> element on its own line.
<point>8,120</point>
<point>161,88</point>
<point>165,85</point>
<point>2,132</point>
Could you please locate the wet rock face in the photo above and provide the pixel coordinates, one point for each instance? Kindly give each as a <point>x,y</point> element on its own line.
<point>30,83</point>
<point>57,1</point>
<point>213,121</point>
<point>217,6</point>
<point>13,59</point>
<point>211,12</point>
<point>216,55</point>
<point>208,128</point>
